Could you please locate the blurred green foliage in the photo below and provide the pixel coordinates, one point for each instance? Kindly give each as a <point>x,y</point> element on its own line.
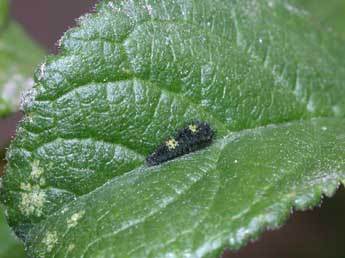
<point>330,13</point>
<point>10,247</point>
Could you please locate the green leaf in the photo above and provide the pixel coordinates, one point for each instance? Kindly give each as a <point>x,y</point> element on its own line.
<point>329,13</point>
<point>3,13</point>
<point>18,58</point>
<point>262,73</point>
<point>9,245</point>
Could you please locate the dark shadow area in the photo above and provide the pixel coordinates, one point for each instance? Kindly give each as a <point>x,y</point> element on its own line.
<point>7,130</point>
<point>47,20</point>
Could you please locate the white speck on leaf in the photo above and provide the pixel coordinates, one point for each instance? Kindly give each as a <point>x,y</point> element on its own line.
<point>64,210</point>
<point>311,105</point>
<point>149,9</point>
<point>111,5</point>
<point>295,10</point>
<point>43,70</point>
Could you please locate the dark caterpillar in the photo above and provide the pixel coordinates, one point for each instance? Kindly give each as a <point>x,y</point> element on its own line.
<point>196,135</point>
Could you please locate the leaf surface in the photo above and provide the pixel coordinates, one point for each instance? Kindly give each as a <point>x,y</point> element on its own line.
<point>329,13</point>
<point>268,80</point>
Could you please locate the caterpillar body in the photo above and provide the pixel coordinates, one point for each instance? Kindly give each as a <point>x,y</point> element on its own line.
<point>195,136</point>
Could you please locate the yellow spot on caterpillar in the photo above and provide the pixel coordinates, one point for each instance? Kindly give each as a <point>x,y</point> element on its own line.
<point>193,128</point>
<point>73,221</point>
<point>171,144</point>
<point>32,203</point>
<point>50,240</point>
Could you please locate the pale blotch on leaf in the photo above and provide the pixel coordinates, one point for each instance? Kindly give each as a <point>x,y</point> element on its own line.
<point>28,187</point>
<point>37,171</point>
<point>42,181</point>
<point>32,202</point>
<point>73,220</point>
<point>50,241</point>
<point>71,247</point>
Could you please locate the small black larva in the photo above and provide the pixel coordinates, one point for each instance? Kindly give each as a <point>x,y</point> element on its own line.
<point>196,135</point>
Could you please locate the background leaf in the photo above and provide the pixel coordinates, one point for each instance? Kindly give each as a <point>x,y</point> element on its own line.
<point>3,13</point>
<point>18,58</point>
<point>262,73</point>
<point>9,246</point>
